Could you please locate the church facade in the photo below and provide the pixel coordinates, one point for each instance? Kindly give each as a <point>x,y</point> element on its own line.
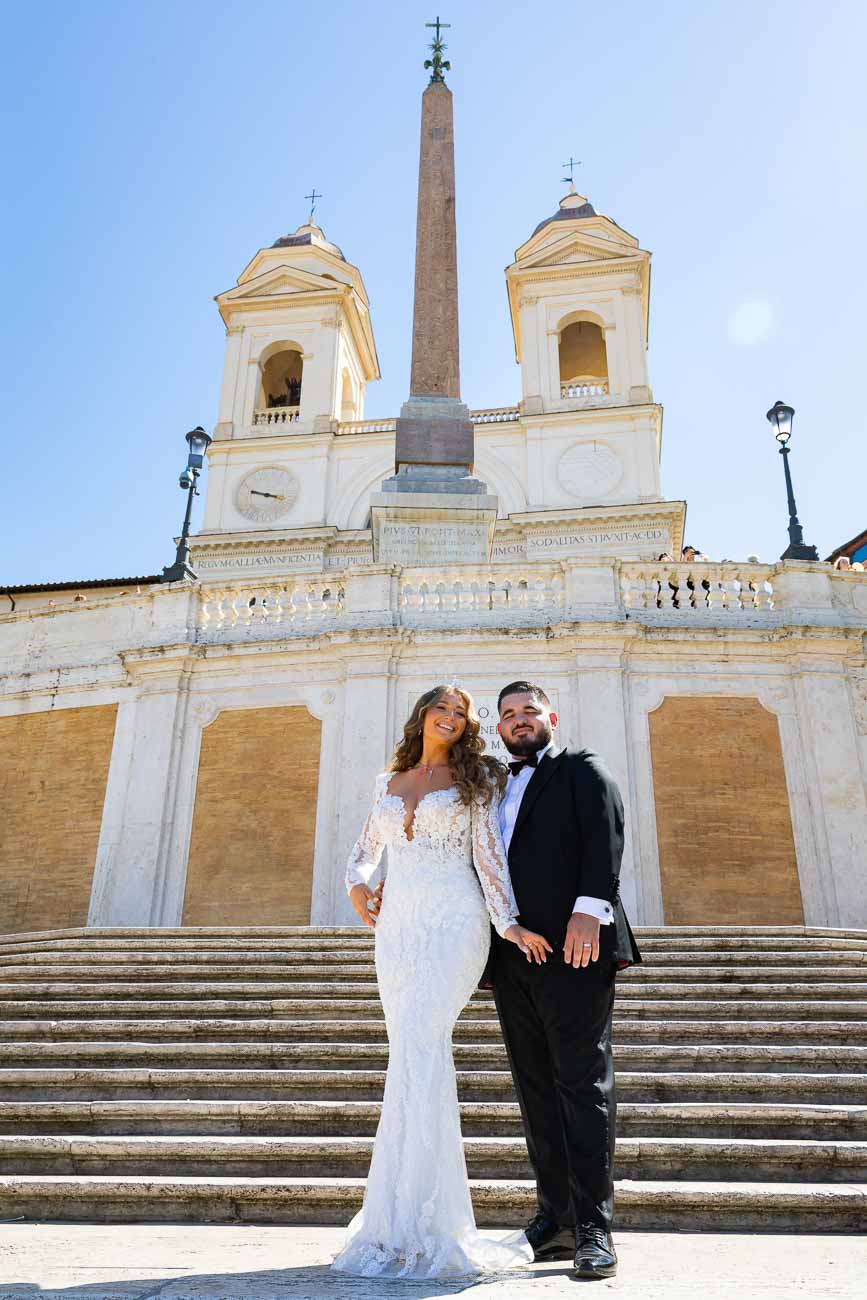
<point>203,752</point>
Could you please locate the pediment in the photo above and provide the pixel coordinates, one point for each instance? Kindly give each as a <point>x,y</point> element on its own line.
<point>574,247</point>
<point>279,281</point>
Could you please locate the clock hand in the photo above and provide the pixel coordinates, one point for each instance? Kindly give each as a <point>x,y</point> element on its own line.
<point>273,495</point>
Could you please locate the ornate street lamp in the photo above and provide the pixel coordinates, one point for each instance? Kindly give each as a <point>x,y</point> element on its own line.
<point>199,443</point>
<point>780,418</point>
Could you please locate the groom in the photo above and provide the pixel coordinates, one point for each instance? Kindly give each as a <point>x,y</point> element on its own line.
<point>562,823</point>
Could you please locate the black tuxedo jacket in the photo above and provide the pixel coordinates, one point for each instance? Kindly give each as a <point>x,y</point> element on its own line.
<point>567,841</point>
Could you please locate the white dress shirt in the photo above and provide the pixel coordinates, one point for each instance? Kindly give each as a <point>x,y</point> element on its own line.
<point>509,806</point>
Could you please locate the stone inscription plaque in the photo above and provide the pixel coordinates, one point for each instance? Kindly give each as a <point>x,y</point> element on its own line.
<point>264,561</point>
<point>609,541</point>
<point>415,544</point>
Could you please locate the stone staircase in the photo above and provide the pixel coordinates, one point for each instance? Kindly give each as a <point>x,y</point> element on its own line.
<point>236,1074</point>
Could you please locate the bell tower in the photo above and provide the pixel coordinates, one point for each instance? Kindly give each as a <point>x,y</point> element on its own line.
<point>579,298</point>
<point>300,352</point>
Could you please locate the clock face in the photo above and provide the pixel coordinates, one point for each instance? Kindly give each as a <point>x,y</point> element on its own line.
<point>267,493</point>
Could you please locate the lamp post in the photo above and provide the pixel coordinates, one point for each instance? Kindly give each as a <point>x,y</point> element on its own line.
<point>780,418</point>
<point>199,443</point>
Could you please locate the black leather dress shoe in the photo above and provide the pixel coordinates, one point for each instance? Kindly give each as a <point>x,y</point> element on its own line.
<point>548,1239</point>
<point>594,1252</point>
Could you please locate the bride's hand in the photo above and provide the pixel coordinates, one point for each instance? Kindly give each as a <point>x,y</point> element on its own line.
<point>360,896</point>
<point>534,945</point>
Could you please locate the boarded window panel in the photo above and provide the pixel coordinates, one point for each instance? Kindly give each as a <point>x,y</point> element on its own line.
<point>53,773</point>
<point>726,848</point>
<point>254,824</point>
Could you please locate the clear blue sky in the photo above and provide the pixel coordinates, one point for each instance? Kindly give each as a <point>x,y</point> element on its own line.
<point>151,149</point>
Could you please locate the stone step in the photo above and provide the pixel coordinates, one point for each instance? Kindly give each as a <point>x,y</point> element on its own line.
<point>316,933</point>
<point>282,1009</point>
<point>754,1160</point>
<point>369,1030</point>
<point>773,1057</point>
<point>339,976</point>
<point>649,1204</point>
<point>480,1119</point>
<point>626,988</point>
<point>359,959</point>
<point>91,1083</point>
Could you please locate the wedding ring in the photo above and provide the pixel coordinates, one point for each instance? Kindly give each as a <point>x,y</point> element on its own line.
<point>587,945</point>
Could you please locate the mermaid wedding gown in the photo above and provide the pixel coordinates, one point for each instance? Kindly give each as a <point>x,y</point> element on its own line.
<point>432,939</point>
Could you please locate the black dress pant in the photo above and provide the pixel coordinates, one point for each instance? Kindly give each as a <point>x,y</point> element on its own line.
<point>556,1023</point>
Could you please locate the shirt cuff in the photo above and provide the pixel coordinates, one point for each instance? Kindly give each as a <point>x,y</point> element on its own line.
<point>597,907</point>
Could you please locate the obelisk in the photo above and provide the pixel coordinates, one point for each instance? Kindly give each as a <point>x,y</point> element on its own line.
<point>432,511</point>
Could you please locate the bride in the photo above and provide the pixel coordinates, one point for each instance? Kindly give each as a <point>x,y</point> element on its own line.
<point>435,812</point>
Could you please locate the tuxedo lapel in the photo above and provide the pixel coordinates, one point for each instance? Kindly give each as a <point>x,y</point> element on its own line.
<point>538,781</point>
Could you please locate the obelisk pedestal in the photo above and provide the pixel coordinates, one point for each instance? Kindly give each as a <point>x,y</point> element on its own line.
<point>432,511</point>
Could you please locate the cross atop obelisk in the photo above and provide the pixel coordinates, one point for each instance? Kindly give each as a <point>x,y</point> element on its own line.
<point>434,446</point>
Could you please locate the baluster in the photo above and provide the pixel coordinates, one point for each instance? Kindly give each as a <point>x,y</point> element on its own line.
<point>302,601</point>
<point>537,593</point>
<point>634,589</point>
<point>208,609</point>
<point>498,594</point>
<point>466,596</point>
<point>763,598</point>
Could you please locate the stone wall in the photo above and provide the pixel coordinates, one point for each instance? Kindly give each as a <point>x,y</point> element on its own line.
<point>726,848</point>
<point>53,771</point>
<point>251,852</point>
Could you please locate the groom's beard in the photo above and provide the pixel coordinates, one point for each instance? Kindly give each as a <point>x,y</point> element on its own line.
<point>530,743</point>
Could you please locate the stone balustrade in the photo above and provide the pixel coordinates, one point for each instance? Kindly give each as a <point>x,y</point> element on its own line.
<point>386,425</point>
<point>599,389</point>
<point>297,606</point>
<point>695,589</point>
<point>495,415</point>
<point>278,415</point>
<point>489,415</point>
<point>489,595</point>
<point>529,594</point>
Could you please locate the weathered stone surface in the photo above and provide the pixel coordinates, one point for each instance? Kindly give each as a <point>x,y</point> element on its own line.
<point>435,358</point>
<point>250,1262</point>
<point>434,530</point>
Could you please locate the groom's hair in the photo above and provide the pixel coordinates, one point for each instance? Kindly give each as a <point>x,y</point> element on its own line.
<point>522,688</point>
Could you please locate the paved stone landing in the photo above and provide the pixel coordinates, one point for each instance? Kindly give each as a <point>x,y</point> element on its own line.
<point>219,1262</point>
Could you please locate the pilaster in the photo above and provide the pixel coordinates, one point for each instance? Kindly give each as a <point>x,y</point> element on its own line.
<point>131,867</point>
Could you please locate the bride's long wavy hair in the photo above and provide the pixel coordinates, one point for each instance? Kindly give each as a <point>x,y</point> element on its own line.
<point>476,774</point>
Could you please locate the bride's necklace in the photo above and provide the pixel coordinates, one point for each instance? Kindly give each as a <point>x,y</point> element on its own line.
<point>430,768</point>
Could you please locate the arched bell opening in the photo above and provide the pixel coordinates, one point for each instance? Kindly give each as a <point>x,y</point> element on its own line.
<point>281,381</point>
<point>583,359</point>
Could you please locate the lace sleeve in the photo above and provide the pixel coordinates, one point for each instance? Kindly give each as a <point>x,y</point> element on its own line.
<point>489,859</point>
<point>367,851</point>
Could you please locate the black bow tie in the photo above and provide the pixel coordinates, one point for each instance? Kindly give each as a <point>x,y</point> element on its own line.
<point>532,760</point>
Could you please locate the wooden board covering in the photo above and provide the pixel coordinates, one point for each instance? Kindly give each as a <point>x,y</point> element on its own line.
<point>254,824</point>
<point>53,773</point>
<point>726,848</point>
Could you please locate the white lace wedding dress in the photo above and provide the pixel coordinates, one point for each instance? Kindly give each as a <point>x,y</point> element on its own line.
<point>432,939</point>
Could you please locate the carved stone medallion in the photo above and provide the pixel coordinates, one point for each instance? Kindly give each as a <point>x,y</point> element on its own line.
<point>589,471</point>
